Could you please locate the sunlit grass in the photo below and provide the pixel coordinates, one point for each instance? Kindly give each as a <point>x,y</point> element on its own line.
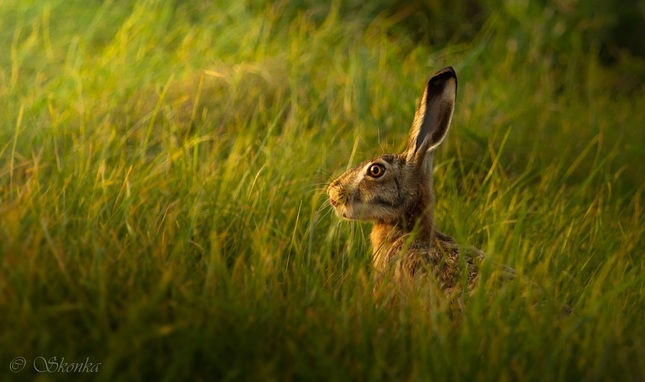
<point>162,207</point>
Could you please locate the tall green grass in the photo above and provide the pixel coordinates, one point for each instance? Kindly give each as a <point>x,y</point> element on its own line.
<point>162,207</point>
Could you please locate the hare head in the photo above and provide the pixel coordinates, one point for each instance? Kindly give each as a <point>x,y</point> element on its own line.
<point>395,190</point>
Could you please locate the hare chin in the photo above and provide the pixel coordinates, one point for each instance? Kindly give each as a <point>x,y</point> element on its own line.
<point>354,212</point>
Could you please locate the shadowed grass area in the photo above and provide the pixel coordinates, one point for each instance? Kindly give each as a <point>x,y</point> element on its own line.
<point>162,207</point>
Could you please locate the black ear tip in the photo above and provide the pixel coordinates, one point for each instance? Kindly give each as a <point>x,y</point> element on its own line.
<point>446,73</point>
<point>442,77</point>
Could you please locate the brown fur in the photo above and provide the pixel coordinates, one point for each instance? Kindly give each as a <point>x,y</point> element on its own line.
<point>400,202</point>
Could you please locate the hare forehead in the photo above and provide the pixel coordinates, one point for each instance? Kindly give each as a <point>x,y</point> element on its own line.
<point>390,161</point>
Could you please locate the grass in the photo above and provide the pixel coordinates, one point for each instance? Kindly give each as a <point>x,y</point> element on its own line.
<point>162,206</point>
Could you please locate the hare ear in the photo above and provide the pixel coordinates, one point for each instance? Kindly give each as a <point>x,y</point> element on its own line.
<point>433,116</point>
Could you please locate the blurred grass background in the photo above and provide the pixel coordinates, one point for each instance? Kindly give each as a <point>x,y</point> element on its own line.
<point>162,176</point>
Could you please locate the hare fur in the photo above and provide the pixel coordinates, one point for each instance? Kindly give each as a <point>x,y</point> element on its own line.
<point>395,192</point>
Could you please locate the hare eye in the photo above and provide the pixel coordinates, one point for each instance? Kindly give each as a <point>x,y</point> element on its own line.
<point>376,170</point>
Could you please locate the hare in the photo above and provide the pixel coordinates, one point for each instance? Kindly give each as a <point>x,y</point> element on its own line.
<point>394,191</point>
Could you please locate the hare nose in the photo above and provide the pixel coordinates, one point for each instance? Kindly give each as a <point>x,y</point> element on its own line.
<point>333,202</point>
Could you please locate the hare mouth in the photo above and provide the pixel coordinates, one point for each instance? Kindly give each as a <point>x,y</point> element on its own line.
<point>352,212</point>
<point>340,210</point>
<point>349,210</point>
